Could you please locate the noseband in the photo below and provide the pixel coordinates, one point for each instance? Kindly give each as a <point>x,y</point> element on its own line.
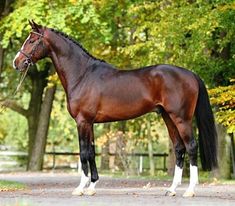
<point>29,60</point>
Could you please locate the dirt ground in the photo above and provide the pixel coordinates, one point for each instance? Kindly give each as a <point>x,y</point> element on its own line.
<point>55,189</point>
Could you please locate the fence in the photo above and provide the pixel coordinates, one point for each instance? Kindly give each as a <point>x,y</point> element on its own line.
<point>139,155</point>
<point>8,159</point>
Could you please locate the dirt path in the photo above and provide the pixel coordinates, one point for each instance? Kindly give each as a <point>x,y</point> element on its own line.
<point>55,189</point>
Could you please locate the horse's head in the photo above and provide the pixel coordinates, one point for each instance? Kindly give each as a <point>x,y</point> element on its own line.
<point>32,50</point>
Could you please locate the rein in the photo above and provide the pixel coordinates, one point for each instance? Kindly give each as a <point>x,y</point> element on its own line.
<point>5,103</point>
<point>30,62</point>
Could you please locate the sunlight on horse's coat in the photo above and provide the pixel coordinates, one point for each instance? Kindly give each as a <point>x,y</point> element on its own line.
<point>97,92</point>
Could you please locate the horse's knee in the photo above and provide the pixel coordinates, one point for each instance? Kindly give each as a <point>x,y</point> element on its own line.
<point>192,149</point>
<point>179,154</point>
<point>91,153</point>
<point>94,176</point>
<point>94,173</point>
<point>84,156</point>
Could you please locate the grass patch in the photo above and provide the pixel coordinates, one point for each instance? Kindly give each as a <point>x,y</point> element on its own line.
<point>6,185</point>
<point>204,177</point>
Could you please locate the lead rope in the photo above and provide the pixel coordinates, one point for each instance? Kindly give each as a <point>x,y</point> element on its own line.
<point>3,105</point>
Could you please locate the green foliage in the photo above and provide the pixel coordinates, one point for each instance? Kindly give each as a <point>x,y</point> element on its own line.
<point>184,34</point>
<point>62,131</point>
<point>224,98</point>
<point>128,34</point>
<point>13,130</point>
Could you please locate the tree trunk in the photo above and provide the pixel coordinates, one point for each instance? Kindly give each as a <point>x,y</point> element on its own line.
<point>232,153</point>
<point>105,151</point>
<point>39,82</point>
<point>36,158</point>
<point>5,8</point>
<point>223,153</point>
<point>150,149</point>
<point>121,160</point>
<point>37,114</point>
<point>171,159</point>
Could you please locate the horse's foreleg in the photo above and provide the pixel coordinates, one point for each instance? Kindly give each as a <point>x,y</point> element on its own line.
<point>86,155</point>
<point>94,172</point>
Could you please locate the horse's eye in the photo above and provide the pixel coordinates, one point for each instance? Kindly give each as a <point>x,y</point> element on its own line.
<point>31,41</point>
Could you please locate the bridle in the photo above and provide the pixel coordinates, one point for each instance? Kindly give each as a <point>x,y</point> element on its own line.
<point>29,60</point>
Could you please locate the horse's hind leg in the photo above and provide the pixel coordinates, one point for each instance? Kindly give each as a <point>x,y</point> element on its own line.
<point>179,153</point>
<point>186,133</point>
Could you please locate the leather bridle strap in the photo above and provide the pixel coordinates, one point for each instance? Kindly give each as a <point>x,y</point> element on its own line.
<point>29,56</point>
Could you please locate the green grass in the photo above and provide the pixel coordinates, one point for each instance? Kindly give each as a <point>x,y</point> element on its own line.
<point>6,185</point>
<point>204,177</point>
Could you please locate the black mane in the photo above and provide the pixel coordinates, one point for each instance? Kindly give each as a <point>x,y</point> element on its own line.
<point>76,43</point>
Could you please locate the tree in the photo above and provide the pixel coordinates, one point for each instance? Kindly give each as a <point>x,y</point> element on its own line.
<point>197,35</point>
<point>223,97</point>
<point>14,28</point>
<point>38,150</point>
<point>38,112</point>
<point>5,8</point>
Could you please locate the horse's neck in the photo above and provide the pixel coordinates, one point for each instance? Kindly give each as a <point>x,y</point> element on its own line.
<point>70,62</point>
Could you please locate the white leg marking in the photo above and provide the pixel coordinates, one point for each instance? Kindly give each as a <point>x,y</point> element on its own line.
<point>80,189</point>
<point>91,188</point>
<point>193,181</point>
<point>176,181</point>
<point>92,185</point>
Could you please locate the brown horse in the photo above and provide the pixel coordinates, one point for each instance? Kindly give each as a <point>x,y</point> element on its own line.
<point>97,92</point>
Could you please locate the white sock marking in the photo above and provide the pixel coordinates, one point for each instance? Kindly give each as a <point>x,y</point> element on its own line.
<point>193,178</point>
<point>84,181</point>
<point>177,178</point>
<point>92,186</point>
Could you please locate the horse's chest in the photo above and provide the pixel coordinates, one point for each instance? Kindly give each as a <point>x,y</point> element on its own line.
<point>82,105</point>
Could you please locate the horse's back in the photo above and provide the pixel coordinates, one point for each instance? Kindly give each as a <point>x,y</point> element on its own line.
<point>117,95</point>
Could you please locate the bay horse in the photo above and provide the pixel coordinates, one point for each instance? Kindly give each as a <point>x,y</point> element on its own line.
<point>97,92</point>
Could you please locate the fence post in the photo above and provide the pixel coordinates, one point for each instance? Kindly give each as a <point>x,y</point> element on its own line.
<point>53,164</point>
<point>141,164</point>
<point>164,162</point>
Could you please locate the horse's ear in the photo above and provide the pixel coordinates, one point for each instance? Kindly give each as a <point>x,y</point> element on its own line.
<point>31,24</point>
<point>36,27</point>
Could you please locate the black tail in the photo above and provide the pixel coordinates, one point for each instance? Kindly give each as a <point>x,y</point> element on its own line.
<point>207,130</point>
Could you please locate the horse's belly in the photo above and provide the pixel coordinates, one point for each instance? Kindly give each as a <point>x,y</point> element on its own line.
<point>115,112</point>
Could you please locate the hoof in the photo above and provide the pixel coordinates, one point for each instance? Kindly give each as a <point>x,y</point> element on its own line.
<point>170,193</point>
<point>90,192</point>
<point>189,194</point>
<point>78,192</point>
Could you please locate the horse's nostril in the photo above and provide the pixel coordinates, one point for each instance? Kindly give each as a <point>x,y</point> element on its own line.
<point>26,64</point>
